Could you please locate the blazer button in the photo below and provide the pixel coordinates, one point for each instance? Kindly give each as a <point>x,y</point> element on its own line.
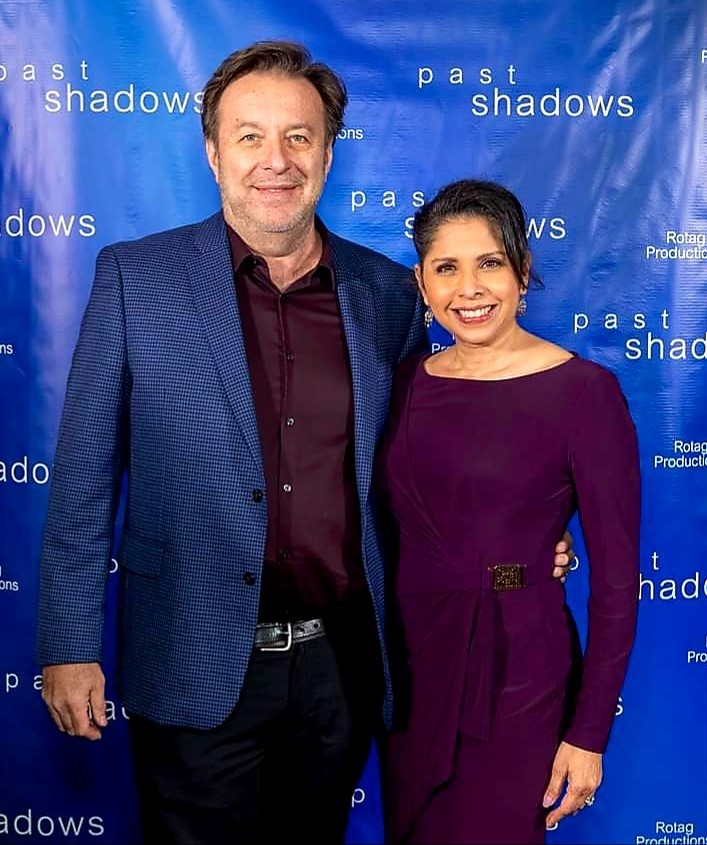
<point>257,495</point>
<point>249,578</point>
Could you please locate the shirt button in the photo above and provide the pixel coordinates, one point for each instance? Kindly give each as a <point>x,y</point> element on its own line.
<point>248,578</point>
<point>290,422</point>
<point>289,357</point>
<point>284,554</point>
<point>257,495</point>
<point>287,488</point>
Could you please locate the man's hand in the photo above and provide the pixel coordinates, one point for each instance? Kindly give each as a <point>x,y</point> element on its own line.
<point>563,556</point>
<point>582,771</point>
<point>75,696</point>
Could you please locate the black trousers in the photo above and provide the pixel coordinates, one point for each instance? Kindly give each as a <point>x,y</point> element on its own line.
<point>284,765</point>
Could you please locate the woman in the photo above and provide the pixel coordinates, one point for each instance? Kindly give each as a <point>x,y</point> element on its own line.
<point>492,445</point>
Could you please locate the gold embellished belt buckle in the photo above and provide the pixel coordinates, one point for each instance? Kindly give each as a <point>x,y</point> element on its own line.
<point>508,576</point>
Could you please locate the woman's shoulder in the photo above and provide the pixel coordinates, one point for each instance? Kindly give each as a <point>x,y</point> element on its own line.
<point>582,370</point>
<point>599,399</point>
<point>594,375</point>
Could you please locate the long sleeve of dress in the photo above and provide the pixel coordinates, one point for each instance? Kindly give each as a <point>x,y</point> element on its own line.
<point>605,467</point>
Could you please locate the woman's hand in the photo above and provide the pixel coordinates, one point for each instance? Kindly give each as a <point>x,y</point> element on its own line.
<point>582,771</point>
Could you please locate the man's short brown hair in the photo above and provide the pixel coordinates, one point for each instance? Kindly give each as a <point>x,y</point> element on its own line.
<point>287,58</point>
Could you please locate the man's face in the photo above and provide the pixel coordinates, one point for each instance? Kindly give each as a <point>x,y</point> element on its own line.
<point>271,157</point>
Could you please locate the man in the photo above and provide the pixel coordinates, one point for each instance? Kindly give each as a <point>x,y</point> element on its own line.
<point>238,370</point>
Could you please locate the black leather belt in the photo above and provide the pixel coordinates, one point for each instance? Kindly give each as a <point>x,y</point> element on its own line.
<point>281,636</point>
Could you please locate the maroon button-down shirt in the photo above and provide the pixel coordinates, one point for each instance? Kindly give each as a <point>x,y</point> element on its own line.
<point>301,382</point>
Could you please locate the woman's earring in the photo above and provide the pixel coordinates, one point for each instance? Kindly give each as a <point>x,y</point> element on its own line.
<point>522,307</point>
<point>428,318</point>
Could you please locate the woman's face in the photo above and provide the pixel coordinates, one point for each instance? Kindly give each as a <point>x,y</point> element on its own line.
<point>468,282</point>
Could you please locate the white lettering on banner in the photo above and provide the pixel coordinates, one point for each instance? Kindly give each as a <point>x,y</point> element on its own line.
<point>670,589</point>
<point>681,246</point>
<point>21,223</point>
<point>676,253</point>
<point>676,349</point>
<point>612,320</point>
<point>55,72</point>
<point>349,133</point>
<point>554,227</point>
<point>22,472</point>
<point>126,100</point>
<point>494,102</point>
<point>696,656</point>
<point>690,588</point>
<point>672,237</point>
<point>29,824</point>
<point>538,227</point>
<point>675,827</point>
<point>704,56</point>
<point>676,833</point>
<point>388,198</point>
<point>688,454</point>
<point>6,349</point>
<point>651,346</point>
<point>358,797</point>
<point>7,585</point>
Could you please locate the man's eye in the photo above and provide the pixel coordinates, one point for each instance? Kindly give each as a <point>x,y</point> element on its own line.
<point>299,139</point>
<point>250,137</point>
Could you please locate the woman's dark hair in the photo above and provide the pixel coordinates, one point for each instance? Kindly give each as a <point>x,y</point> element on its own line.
<point>473,198</point>
<point>283,57</point>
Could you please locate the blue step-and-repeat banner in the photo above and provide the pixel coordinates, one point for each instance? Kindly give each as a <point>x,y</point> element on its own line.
<point>593,112</point>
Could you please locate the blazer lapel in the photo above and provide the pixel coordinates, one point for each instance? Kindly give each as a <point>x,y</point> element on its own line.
<point>359,319</point>
<point>211,276</point>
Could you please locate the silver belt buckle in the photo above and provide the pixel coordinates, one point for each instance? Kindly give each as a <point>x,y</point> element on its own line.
<point>288,642</point>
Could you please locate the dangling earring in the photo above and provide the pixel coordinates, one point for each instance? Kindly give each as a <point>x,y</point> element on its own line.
<point>428,318</point>
<point>522,307</point>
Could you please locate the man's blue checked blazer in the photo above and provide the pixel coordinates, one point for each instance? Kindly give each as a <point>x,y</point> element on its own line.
<point>159,386</point>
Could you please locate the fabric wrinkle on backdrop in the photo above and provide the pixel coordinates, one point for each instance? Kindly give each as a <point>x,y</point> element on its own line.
<point>592,113</point>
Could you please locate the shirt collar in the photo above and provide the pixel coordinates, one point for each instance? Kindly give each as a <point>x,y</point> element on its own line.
<point>323,272</point>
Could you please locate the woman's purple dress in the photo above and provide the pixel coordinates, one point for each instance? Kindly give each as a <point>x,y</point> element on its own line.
<point>479,474</point>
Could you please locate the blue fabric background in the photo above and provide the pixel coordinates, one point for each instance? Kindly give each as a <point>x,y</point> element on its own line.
<point>592,112</point>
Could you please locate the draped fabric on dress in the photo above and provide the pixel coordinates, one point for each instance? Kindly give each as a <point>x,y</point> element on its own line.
<point>477,474</point>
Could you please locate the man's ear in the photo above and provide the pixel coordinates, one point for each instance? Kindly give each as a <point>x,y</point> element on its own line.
<point>420,283</point>
<point>212,156</point>
<point>329,159</point>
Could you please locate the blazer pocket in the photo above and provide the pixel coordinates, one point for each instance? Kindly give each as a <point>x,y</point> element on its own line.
<point>141,556</point>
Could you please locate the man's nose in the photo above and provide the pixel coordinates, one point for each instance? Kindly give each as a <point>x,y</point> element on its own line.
<point>275,156</point>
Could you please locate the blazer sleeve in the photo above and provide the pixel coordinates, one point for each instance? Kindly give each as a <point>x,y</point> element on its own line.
<point>90,456</point>
<point>605,467</point>
<point>416,340</point>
